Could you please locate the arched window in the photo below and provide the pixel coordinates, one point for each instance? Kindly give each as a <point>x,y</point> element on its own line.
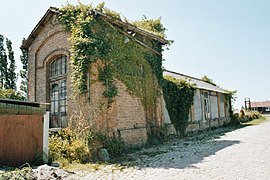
<point>58,92</point>
<point>59,66</point>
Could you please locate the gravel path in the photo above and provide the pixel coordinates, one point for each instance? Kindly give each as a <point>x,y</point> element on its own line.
<point>240,154</point>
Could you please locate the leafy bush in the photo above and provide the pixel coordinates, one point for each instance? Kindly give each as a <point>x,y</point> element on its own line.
<point>254,115</point>
<point>17,174</point>
<point>66,145</point>
<point>156,134</point>
<point>245,116</point>
<point>114,145</point>
<point>11,94</point>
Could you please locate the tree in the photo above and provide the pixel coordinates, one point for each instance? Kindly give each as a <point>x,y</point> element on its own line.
<point>3,63</point>
<point>11,80</point>
<point>10,94</point>
<point>24,71</point>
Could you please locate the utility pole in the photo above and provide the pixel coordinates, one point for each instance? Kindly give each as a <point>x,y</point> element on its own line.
<point>247,104</point>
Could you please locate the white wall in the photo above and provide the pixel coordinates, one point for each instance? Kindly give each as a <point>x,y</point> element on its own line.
<point>198,109</point>
<point>214,106</point>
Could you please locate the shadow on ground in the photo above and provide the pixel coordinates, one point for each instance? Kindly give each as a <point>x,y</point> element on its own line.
<point>183,152</point>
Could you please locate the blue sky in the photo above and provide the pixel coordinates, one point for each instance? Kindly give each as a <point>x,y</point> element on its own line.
<point>227,40</point>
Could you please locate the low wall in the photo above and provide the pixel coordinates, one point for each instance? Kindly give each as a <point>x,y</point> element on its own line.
<point>21,138</point>
<point>202,125</point>
<point>134,136</point>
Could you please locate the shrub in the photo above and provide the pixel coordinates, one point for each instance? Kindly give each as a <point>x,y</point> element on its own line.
<point>254,115</point>
<point>65,144</point>
<point>235,120</point>
<point>11,94</point>
<point>17,174</point>
<point>156,134</point>
<point>114,145</point>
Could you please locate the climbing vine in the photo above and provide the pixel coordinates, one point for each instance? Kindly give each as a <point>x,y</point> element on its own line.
<point>95,38</point>
<point>178,96</point>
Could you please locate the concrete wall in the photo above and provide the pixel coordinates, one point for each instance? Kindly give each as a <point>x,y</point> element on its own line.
<point>214,106</point>
<point>219,112</point>
<point>21,138</point>
<point>198,109</point>
<point>222,106</point>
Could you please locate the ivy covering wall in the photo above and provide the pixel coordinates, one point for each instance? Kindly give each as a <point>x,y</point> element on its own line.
<point>94,38</point>
<point>178,95</point>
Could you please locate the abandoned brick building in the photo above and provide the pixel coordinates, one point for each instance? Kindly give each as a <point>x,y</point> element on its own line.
<point>50,82</point>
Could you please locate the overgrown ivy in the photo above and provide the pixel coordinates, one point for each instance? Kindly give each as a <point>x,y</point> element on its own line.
<point>94,38</point>
<point>178,95</point>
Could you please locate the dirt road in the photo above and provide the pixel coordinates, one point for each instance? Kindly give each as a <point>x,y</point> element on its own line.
<point>239,154</point>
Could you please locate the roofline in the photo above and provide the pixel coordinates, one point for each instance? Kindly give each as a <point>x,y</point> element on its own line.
<point>185,75</point>
<point>35,31</point>
<point>221,91</point>
<point>54,10</point>
<point>25,103</point>
<point>132,27</point>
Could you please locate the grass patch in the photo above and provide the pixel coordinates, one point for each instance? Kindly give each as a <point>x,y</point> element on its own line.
<point>255,121</point>
<point>17,174</point>
<point>84,167</point>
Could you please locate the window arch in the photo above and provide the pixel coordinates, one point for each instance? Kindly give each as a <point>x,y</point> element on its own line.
<point>58,92</point>
<point>58,66</point>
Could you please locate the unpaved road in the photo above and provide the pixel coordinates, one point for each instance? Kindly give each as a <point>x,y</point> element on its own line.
<point>240,154</point>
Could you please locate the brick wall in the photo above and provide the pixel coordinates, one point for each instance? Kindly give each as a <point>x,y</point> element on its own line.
<point>51,41</point>
<point>125,117</point>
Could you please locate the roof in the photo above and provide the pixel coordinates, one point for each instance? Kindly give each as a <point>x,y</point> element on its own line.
<point>127,26</point>
<point>25,103</point>
<point>260,104</point>
<point>200,84</point>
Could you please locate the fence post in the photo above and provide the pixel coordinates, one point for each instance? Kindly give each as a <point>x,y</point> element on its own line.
<point>46,136</point>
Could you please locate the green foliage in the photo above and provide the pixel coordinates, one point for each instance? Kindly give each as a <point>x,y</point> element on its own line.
<point>24,71</point>
<point>89,40</point>
<point>114,145</point>
<point>156,134</point>
<point>231,95</point>
<point>178,95</point>
<point>11,74</point>
<point>208,80</point>
<point>106,76</point>
<point>67,145</point>
<point>93,38</point>
<point>247,118</point>
<point>152,25</point>
<point>17,174</point>
<point>3,63</point>
<point>230,99</point>
<point>11,94</point>
<point>38,159</point>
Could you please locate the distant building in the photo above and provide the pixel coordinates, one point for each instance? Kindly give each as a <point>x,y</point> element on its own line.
<point>261,106</point>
